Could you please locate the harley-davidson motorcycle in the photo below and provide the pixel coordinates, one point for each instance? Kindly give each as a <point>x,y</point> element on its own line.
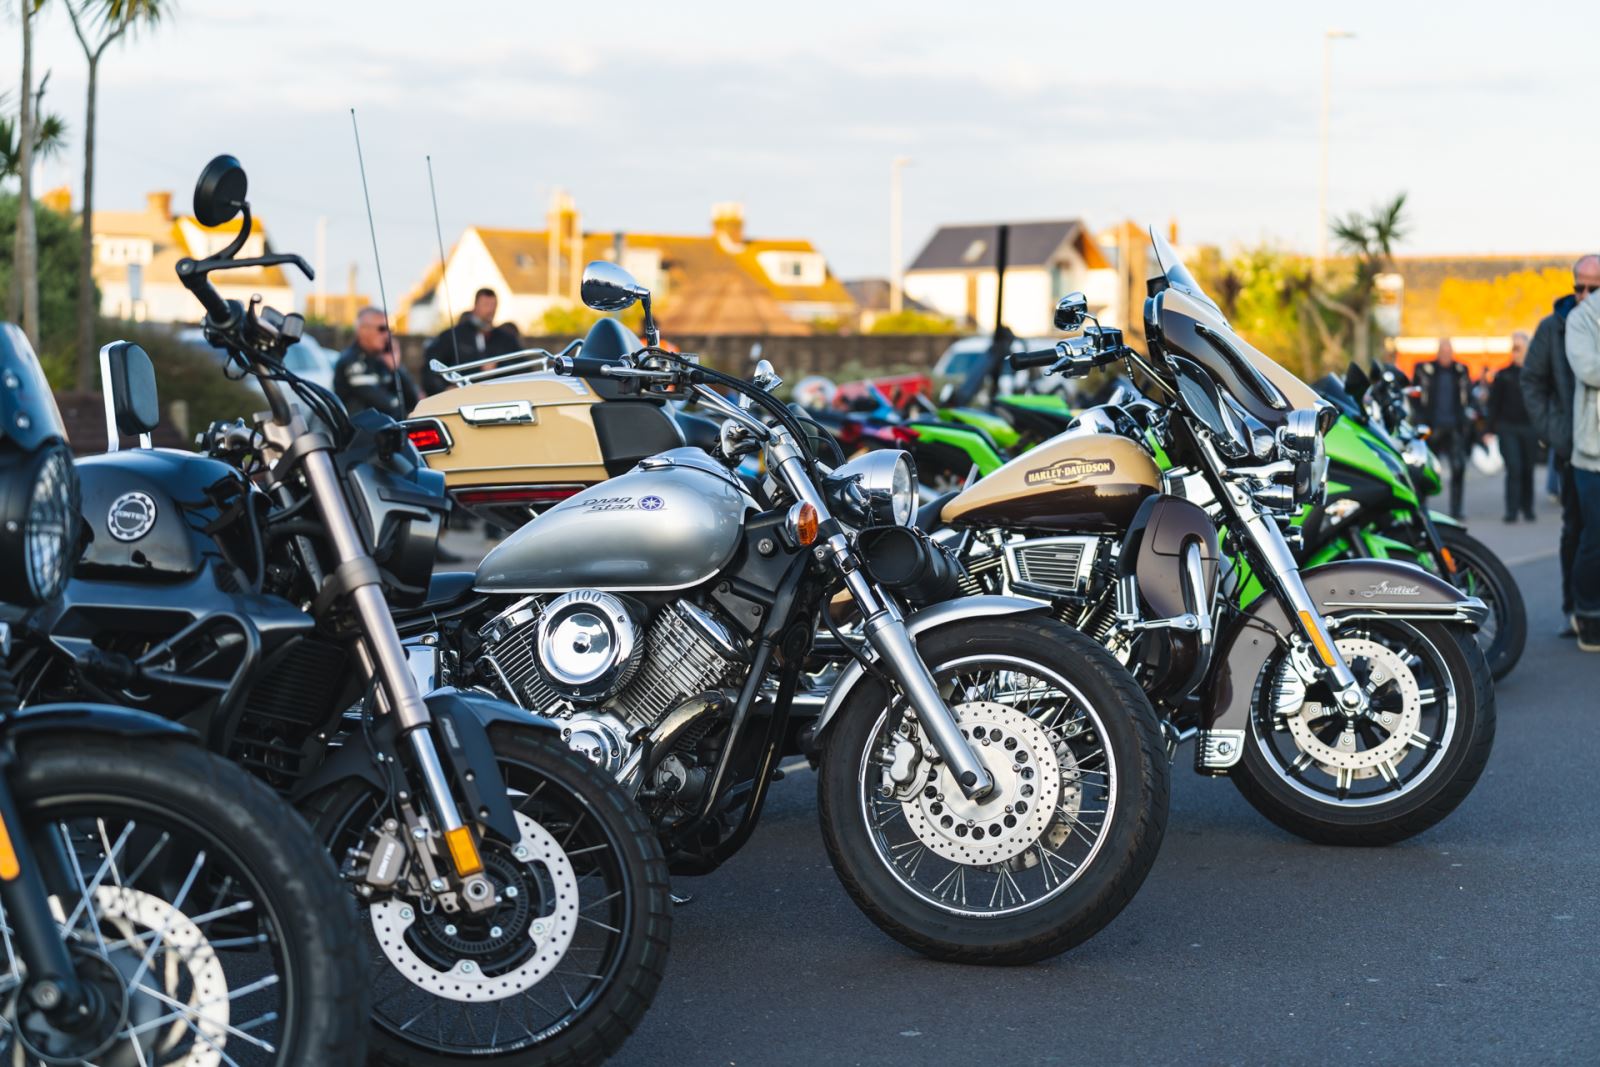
<point>1349,702</point>
<point>991,785</point>
<point>513,902</point>
<point>158,905</point>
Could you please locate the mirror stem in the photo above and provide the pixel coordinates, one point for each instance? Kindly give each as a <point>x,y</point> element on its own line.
<point>652,336</point>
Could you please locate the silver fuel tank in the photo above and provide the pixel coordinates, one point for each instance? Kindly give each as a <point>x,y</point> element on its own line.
<point>670,523</point>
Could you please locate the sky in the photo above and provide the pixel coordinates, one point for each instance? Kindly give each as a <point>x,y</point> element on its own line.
<point>648,113</point>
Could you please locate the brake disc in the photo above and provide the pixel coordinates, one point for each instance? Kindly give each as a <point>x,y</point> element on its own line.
<point>550,932</point>
<point>1345,756</point>
<point>1020,756</point>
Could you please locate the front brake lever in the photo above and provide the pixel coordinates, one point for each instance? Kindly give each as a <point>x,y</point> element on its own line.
<point>206,266</point>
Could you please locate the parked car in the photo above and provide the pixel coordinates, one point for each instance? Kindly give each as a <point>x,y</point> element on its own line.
<point>306,357</point>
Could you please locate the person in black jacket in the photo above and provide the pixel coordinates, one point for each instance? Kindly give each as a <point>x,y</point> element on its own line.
<point>1547,388</point>
<point>473,337</point>
<point>1508,421</point>
<point>1446,406</point>
<point>369,373</point>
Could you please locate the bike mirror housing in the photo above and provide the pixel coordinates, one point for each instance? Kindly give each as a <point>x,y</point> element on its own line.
<point>220,193</point>
<point>1071,311</point>
<point>607,287</point>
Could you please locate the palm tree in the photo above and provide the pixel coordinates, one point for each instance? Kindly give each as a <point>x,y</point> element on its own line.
<point>98,24</point>
<point>49,136</point>
<point>1369,241</point>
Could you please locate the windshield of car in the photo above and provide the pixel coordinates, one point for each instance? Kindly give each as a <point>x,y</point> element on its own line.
<point>1177,275</point>
<point>302,359</point>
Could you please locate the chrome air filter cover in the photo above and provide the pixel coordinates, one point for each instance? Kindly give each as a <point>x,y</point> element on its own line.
<point>588,645</point>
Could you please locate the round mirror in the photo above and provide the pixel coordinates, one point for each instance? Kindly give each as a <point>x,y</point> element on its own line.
<point>220,193</point>
<point>607,287</point>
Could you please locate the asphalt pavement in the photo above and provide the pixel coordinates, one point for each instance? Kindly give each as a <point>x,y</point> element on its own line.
<point>1475,942</point>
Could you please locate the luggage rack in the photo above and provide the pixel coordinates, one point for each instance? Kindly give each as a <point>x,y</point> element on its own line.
<point>526,361</point>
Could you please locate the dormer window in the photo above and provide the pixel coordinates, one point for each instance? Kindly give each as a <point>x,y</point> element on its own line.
<point>794,268</point>
<point>524,261</point>
<point>975,250</point>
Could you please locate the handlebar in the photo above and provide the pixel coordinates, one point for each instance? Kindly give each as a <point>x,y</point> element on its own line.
<point>586,366</point>
<point>1042,357</point>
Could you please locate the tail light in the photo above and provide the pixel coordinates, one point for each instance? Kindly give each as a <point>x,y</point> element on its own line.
<point>428,435</point>
<point>516,494</point>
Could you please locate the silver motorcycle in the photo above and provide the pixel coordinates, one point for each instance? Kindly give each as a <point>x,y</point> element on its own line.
<point>992,787</point>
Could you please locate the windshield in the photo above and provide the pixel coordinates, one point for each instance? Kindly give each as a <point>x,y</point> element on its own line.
<point>1177,275</point>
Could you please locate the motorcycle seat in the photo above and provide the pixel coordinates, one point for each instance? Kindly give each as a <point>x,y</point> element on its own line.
<point>927,518</point>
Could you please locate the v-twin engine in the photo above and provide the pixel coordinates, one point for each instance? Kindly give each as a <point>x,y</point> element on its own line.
<point>585,658</point>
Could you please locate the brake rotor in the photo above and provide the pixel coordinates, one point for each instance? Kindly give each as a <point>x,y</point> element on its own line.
<point>1020,756</point>
<point>550,931</point>
<point>1386,670</point>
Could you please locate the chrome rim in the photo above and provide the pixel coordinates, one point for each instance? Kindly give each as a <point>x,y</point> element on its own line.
<point>173,936</point>
<point>524,971</point>
<point>1367,760</point>
<point>1055,802</point>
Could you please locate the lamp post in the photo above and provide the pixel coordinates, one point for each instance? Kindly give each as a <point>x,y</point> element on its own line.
<point>1328,37</point>
<point>895,267</point>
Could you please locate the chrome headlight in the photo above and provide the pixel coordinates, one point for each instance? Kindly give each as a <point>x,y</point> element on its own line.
<point>1300,435</point>
<point>38,526</point>
<point>877,489</point>
<point>1417,454</point>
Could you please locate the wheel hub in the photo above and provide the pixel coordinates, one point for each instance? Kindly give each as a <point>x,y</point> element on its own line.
<point>1398,715</point>
<point>460,966</point>
<point>1028,788</point>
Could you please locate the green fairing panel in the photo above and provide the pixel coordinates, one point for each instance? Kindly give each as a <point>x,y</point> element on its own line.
<point>1047,403</point>
<point>983,457</point>
<point>1004,434</point>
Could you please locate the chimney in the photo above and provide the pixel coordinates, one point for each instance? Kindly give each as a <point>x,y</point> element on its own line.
<point>1172,231</point>
<point>727,225</point>
<point>159,204</point>
<point>561,220</point>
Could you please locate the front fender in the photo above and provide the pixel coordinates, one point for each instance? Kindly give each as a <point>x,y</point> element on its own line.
<point>93,718</point>
<point>1344,591</point>
<point>924,621</point>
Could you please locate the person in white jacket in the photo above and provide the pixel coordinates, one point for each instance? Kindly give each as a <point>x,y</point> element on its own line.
<point>1583,353</point>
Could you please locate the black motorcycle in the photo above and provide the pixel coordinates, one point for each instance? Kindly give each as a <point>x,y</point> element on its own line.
<point>160,906</point>
<point>514,903</point>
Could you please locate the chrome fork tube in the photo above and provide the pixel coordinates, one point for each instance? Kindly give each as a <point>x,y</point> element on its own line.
<point>382,651</point>
<point>886,632</point>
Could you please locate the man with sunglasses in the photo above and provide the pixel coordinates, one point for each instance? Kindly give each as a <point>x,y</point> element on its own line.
<point>369,374</point>
<point>1547,389</point>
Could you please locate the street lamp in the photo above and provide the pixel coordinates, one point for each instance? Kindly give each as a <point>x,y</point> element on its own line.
<point>895,266</point>
<point>1328,37</point>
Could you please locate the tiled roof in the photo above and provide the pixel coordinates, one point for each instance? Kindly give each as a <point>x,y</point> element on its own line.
<point>168,246</point>
<point>1028,244</point>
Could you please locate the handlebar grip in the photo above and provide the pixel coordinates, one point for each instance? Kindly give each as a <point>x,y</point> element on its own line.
<point>1042,357</point>
<point>582,366</point>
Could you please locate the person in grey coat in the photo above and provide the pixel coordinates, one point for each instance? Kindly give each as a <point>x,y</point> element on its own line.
<point>1583,352</point>
<point>1547,392</point>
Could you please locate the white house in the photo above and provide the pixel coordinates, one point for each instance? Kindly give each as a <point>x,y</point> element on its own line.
<point>136,256</point>
<point>955,274</point>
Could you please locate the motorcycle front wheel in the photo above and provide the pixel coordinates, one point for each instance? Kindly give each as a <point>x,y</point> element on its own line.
<point>207,923</point>
<point>1381,777</point>
<point>1060,846</point>
<point>1480,573</point>
<point>565,965</point>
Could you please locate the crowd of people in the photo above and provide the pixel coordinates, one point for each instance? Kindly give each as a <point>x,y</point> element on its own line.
<point>1548,396</point>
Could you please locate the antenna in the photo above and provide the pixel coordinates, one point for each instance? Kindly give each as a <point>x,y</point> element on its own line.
<point>383,297</point>
<point>444,272</point>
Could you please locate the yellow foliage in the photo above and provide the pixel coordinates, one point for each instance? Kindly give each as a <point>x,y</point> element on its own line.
<point>1499,306</point>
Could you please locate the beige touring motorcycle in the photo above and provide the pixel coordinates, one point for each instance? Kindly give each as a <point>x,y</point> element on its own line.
<point>1349,702</point>
<point>991,785</point>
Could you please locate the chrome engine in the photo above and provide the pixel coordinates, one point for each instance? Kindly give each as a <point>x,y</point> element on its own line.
<point>584,659</point>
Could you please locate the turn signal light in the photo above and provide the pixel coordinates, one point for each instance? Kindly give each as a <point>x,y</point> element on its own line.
<point>803,523</point>
<point>464,851</point>
<point>1449,559</point>
<point>1315,633</point>
<point>9,867</point>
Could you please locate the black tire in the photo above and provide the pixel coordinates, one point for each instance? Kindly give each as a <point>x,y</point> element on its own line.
<point>293,875</point>
<point>1409,814</point>
<point>607,1019</point>
<point>1130,841</point>
<point>1480,572</point>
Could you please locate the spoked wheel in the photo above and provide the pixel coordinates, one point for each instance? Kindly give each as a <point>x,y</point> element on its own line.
<point>1480,573</point>
<point>207,926</point>
<point>564,965</point>
<point>1064,840</point>
<point>1380,776</point>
